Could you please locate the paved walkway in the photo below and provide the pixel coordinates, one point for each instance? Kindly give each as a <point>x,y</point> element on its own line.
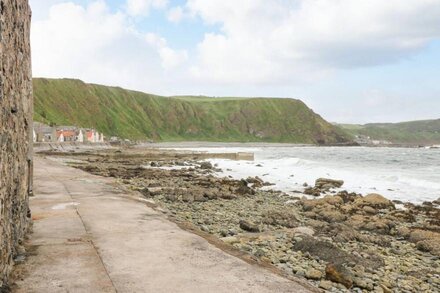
<point>91,237</point>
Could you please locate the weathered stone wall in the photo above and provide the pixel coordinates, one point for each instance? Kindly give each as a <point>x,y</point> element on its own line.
<point>15,123</point>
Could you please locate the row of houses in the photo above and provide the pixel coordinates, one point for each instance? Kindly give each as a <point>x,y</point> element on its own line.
<point>366,140</point>
<point>46,133</point>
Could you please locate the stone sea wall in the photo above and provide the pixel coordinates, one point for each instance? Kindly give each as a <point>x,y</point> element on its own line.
<point>15,124</point>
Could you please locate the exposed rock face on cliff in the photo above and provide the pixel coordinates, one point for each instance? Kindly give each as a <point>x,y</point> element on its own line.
<point>15,125</point>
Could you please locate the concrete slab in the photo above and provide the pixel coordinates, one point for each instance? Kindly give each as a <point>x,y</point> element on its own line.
<point>91,237</point>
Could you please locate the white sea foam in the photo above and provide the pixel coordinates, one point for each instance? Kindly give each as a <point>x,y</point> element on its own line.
<point>402,174</point>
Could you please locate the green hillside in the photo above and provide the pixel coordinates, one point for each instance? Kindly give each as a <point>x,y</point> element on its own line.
<point>413,132</point>
<point>135,115</point>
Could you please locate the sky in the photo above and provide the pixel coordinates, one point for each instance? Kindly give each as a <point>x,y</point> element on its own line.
<point>351,61</point>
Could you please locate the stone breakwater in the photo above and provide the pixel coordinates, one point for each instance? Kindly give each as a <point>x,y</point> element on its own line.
<point>338,242</point>
<point>15,124</point>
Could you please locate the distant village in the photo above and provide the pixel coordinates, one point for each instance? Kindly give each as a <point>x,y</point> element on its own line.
<point>366,140</point>
<point>46,133</point>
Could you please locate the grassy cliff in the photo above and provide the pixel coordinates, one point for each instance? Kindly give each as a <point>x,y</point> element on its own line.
<point>412,132</point>
<point>135,115</point>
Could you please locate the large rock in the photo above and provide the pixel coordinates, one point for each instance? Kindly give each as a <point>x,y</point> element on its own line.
<point>206,165</point>
<point>337,273</point>
<point>285,217</point>
<point>325,183</point>
<point>248,226</point>
<point>426,241</point>
<point>16,107</point>
<point>374,200</point>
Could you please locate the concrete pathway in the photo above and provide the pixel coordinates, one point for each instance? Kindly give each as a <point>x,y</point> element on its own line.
<point>89,236</point>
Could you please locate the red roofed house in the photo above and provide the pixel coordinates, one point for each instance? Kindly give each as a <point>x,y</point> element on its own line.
<point>66,135</point>
<point>90,134</point>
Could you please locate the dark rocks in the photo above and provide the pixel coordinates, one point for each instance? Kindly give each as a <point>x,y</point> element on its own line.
<point>244,189</point>
<point>348,197</point>
<point>256,181</point>
<point>323,250</point>
<point>206,166</point>
<point>312,191</point>
<point>249,226</point>
<point>322,185</point>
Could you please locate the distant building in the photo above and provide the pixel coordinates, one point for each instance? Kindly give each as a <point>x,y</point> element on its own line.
<point>66,135</point>
<point>44,133</point>
<point>80,136</point>
<point>96,136</point>
<point>90,135</point>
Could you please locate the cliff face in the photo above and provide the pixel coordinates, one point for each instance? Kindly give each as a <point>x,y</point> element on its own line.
<point>135,115</point>
<point>15,123</point>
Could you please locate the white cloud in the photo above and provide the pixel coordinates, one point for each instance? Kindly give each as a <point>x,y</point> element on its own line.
<point>175,14</point>
<point>96,45</point>
<point>289,48</point>
<point>143,7</point>
<point>170,58</point>
<point>285,41</point>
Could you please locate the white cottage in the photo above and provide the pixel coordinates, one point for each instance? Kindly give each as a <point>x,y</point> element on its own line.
<point>80,136</point>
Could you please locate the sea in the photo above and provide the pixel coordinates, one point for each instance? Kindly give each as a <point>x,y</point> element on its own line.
<point>406,174</point>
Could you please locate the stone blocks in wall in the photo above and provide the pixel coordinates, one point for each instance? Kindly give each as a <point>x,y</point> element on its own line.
<point>16,108</point>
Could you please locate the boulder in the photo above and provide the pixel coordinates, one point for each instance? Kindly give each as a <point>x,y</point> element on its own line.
<point>369,210</point>
<point>426,241</point>
<point>432,246</point>
<point>331,216</point>
<point>244,189</point>
<point>312,191</point>
<point>313,274</point>
<point>286,217</point>
<point>339,274</point>
<point>256,181</point>
<point>206,165</point>
<point>348,197</point>
<point>248,226</point>
<point>374,224</point>
<point>374,200</point>
<point>325,183</point>
<point>333,200</point>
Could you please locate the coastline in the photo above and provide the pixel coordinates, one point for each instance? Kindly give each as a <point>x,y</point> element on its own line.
<point>340,241</point>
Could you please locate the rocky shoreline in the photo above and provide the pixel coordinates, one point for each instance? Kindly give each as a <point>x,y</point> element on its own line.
<point>338,241</point>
